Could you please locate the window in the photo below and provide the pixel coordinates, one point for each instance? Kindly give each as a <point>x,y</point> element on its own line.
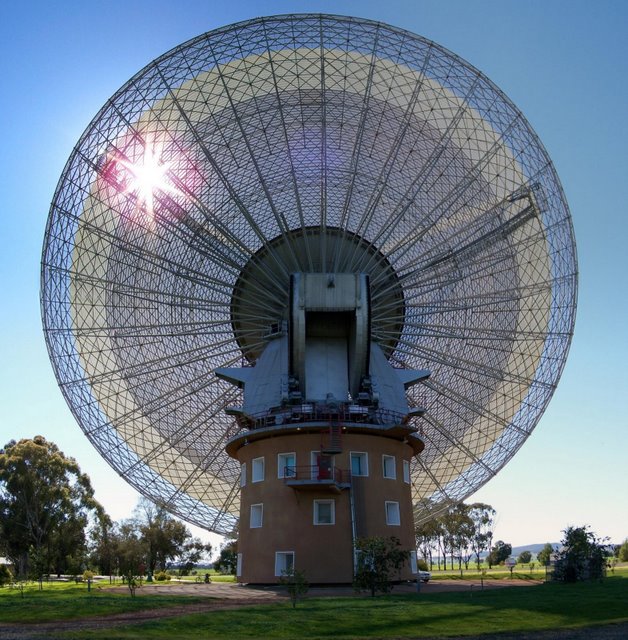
<point>286,465</point>
<point>406,471</point>
<point>257,515</point>
<point>359,464</point>
<point>243,474</point>
<point>389,467</point>
<point>284,561</point>
<point>324,512</point>
<point>239,565</point>
<point>258,469</point>
<point>392,513</point>
<point>413,564</point>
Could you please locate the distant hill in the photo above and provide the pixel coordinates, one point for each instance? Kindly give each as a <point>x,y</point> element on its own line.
<point>533,548</point>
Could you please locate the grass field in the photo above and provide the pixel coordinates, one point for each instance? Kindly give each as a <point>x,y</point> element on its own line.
<point>521,572</point>
<point>68,601</point>
<point>545,607</point>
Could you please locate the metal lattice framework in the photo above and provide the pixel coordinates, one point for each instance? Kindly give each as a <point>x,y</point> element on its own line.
<point>305,143</point>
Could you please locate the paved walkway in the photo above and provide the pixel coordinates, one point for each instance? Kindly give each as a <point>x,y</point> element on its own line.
<point>231,591</point>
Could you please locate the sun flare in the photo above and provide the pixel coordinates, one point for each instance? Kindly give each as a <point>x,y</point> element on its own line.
<point>148,176</point>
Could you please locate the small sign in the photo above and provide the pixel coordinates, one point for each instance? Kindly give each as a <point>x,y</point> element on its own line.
<point>510,562</point>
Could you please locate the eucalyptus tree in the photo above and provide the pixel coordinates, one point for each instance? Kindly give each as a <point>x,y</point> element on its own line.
<point>46,504</point>
<point>483,518</point>
<point>427,536</point>
<point>166,539</point>
<point>458,533</point>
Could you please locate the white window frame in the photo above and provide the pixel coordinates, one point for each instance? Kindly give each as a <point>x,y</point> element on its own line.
<point>406,471</point>
<point>282,466</point>
<point>254,521</point>
<point>366,463</point>
<point>279,571</point>
<point>239,565</point>
<point>391,521</point>
<point>414,567</point>
<point>260,464</point>
<point>316,515</point>
<point>243,474</point>
<point>386,457</point>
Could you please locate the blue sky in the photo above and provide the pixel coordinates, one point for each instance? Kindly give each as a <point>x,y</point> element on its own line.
<point>564,63</point>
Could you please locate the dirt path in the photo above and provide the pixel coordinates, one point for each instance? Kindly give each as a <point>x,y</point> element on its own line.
<point>231,596</point>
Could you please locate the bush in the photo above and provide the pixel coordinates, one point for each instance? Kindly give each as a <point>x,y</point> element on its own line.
<point>378,560</point>
<point>582,557</point>
<point>296,584</point>
<point>161,576</point>
<point>5,575</point>
<point>422,565</point>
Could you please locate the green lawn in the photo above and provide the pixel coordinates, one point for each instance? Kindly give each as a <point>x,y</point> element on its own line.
<point>64,601</point>
<point>544,607</point>
<point>521,572</point>
<point>216,577</point>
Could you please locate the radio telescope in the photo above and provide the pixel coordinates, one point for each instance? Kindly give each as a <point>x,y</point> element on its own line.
<point>305,144</point>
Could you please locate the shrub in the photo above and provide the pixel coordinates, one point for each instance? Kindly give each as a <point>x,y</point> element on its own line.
<point>582,557</point>
<point>161,576</point>
<point>378,560</point>
<point>5,575</point>
<point>296,584</point>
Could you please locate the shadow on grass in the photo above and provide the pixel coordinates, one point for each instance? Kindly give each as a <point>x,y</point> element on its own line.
<point>537,608</point>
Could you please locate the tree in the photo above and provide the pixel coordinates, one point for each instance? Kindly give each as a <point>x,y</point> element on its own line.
<point>103,546</point>
<point>499,553</point>
<point>524,557</point>
<point>227,563</point>
<point>545,554</point>
<point>427,537</point>
<point>458,528</point>
<point>46,503</point>
<point>193,552</point>
<point>378,559</point>
<point>483,518</point>
<point>583,556</point>
<point>166,540</point>
<point>466,530</point>
<point>622,553</point>
<point>128,549</point>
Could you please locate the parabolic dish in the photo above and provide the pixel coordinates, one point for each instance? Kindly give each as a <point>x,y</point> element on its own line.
<point>291,144</point>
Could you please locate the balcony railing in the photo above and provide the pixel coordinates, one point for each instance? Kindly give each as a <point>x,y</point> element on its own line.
<point>343,413</point>
<point>316,475</point>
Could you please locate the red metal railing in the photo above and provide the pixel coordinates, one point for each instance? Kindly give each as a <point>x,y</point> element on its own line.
<point>317,473</point>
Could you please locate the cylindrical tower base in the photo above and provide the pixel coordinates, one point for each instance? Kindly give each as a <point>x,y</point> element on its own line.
<point>306,497</point>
